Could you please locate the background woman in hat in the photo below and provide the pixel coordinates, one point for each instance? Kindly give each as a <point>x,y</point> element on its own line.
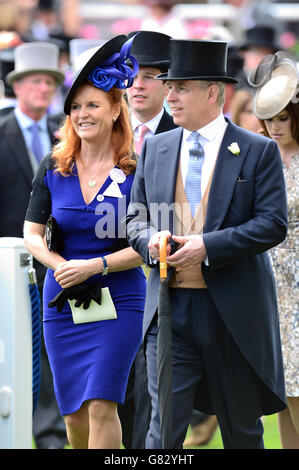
<point>276,105</point>
<point>241,112</point>
<point>85,185</point>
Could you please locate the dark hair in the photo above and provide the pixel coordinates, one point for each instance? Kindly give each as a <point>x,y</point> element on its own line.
<point>293,110</point>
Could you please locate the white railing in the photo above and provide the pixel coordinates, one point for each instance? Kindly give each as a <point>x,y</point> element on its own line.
<point>110,11</point>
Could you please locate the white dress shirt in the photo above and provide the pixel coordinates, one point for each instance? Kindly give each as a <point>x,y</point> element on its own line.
<point>213,133</point>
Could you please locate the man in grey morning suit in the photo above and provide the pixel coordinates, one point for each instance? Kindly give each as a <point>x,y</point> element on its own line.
<point>225,332</point>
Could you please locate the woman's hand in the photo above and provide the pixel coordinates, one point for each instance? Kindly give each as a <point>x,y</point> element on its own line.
<point>74,272</point>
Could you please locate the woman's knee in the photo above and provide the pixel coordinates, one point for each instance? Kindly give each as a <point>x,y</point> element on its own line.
<point>102,410</point>
<point>77,420</point>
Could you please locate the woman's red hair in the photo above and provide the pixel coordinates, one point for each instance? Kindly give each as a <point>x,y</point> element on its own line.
<point>68,147</point>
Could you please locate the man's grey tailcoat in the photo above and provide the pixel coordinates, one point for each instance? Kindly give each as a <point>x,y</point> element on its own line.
<point>246,216</point>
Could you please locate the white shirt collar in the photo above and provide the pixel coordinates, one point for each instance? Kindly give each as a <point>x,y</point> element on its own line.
<point>26,121</point>
<point>152,124</point>
<point>210,130</point>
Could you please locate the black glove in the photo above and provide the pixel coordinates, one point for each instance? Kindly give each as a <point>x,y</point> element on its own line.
<point>79,292</point>
<point>58,301</point>
<point>82,293</point>
<point>95,291</point>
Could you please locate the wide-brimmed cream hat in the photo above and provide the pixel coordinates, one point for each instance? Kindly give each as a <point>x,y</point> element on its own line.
<point>276,81</point>
<point>81,50</point>
<point>36,57</point>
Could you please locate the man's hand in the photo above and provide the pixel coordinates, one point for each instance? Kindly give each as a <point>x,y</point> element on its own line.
<point>154,244</point>
<point>191,252</point>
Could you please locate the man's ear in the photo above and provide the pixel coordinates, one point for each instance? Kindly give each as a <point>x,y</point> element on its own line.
<point>213,92</point>
<point>165,84</point>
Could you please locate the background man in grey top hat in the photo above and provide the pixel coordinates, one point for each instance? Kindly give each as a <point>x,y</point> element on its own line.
<point>34,80</point>
<point>224,188</point>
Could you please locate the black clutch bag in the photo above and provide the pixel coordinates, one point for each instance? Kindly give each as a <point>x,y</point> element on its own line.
<point>53,235</point>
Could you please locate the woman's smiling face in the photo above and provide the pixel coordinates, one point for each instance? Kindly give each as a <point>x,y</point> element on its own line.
<point>92,112</point>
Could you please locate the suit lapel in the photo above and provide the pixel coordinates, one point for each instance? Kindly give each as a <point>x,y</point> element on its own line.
<point>16,147</point>
<point>166,123</point>
<point>227,169</point>
<point>167,167</point>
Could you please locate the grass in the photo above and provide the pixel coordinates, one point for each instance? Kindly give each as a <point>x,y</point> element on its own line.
<point>271,435</point>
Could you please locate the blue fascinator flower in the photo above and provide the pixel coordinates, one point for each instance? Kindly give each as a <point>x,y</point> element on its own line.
<point>115,71</point>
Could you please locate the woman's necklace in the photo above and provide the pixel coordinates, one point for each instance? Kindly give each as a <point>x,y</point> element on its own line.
<point>92,181</point>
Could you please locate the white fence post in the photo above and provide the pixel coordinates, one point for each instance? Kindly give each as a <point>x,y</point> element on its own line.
<point>15,346</point>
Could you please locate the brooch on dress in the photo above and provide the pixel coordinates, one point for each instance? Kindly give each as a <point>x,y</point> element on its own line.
<point>118,176</point>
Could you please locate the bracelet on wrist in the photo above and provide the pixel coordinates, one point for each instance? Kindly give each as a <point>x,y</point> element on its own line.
<point>105,269</point>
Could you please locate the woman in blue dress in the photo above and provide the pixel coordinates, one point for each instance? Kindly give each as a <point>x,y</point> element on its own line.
<point>85,187</point>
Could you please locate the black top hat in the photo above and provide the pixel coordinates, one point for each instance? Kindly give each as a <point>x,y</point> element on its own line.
<point>235,62</point>
<point>151,49</point>
<point>260,36</point>
<point>192,59</point>
<point>108,50</point>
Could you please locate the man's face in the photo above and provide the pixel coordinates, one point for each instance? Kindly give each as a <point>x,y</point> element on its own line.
<point>254,55</point>
<point>35,92</point>
<point>146,96</point>
<point>189,104</point>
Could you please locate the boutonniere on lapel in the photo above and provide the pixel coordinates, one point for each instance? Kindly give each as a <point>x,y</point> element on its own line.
<point>234,148</point>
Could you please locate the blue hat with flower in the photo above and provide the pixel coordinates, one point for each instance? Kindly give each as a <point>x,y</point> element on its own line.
<point>108,67</point>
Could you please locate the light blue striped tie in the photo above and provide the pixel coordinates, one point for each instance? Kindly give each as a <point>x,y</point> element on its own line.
<point>36,145</point>
<point>193,178</point>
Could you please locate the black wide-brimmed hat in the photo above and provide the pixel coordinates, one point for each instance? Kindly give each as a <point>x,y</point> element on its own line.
<point>106,68</point>
<point>260,36</point>
<point>151,49</point>
<point>196,59</point>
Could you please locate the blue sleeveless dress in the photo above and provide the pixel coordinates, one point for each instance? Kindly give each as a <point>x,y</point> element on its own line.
<point>89,360</point>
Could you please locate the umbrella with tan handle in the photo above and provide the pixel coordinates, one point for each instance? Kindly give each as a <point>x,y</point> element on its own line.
<point>164,352</point>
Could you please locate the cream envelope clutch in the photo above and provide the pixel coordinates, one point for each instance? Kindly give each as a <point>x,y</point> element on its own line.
<point>95,312</point>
